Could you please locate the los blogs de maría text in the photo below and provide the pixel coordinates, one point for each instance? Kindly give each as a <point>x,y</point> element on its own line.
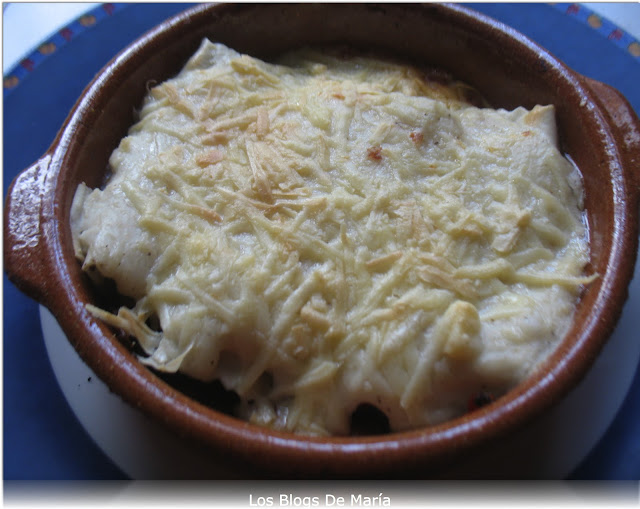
<point>328,500</point>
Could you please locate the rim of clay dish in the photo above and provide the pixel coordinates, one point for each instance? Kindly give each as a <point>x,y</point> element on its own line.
<point>290,453</point>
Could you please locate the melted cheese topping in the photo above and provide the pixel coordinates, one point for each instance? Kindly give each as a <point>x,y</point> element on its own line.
<point>325,232</point>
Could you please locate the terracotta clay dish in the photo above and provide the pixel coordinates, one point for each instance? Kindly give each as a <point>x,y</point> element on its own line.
<point>597,129</point>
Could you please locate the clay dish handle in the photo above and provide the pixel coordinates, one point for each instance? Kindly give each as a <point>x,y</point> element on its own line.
<point>25,219</point>
<point>626,130</point>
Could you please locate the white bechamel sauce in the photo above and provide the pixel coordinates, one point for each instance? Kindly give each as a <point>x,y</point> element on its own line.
<point>324,232</point>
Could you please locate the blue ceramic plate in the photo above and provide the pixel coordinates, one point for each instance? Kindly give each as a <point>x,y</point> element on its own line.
<point>43,438</point>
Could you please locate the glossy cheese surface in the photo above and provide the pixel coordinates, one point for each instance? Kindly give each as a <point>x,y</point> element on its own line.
<point>324,232</point>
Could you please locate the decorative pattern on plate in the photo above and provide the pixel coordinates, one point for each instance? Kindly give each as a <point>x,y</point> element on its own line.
<point>85,22</point>
<point>603,26</point>
<point>11,80</point>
